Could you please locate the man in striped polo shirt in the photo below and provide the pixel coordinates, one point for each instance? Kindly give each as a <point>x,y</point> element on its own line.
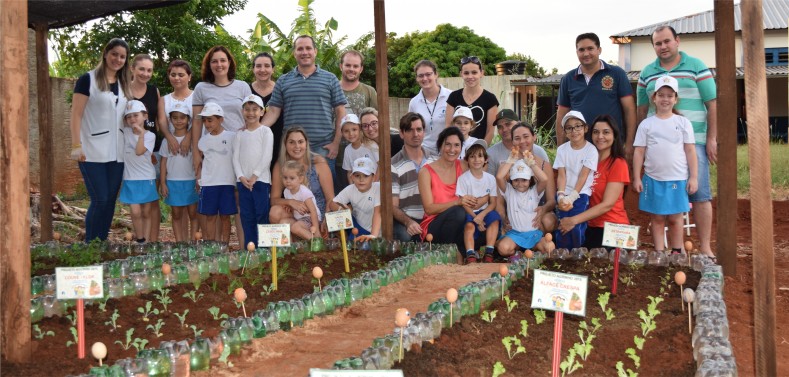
<point>407,203</point>
<point>697,93</point>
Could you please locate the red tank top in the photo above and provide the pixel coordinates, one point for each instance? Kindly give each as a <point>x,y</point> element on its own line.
<point>442,192</point>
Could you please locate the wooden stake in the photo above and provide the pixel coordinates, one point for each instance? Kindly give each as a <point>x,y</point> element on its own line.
<point>274,268</point>
<point>382,87</point>
<point>681,299</point>
<point>46,159</point>
<point>345,250</point>
<point>690,311</point>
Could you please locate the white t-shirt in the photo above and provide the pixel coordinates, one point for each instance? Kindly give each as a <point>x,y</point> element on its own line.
<point>665,141</point>
<point>229,97</point>
<point>521,207</point>
<point>252,153</point>
<point>573,160</point>
<point>498,154</point>
<point>138,167</point>
<point>217,159</point>
<point>351,154</point>
<point>186,105</point>
<point>303,195</point>
<point>179,167</point>
<point>363,203</point>
<point>434,114</point>
<point>469,142</point>
<point>468,184</point>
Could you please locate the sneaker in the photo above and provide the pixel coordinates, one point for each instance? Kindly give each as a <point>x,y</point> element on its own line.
<point>488,258</point>
<point>472,257</point>
<point>515,257</point>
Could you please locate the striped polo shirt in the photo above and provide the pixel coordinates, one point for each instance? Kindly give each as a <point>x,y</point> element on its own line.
<point>405,183</point>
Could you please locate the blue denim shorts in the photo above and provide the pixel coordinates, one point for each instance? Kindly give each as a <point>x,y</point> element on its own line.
<point>704,192</point>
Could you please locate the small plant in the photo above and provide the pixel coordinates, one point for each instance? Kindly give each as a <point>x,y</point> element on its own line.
<point>620,370</point>
<point>182,317</point>
<point>303,269</point>
<point>587,335</point>
<point>113,320</point>
<point>511,304</point>
<point>129,340</point>
<point>72,318</point>
<point>524,329</point>
<point>223,357</point>
<point>509,341</point>
<point>196,331</point>
<point>266,290</point>
<point>164,298</point>
<point>193,295</point>
<point>489,316</point>
<point>631,353</point>
<point>570,364</point>
<point>539,316</point>
<point>103,305</point>
<point>39,334</point>
<point>648,318</point>
<point>215,313</point>
<point>157,328</point>
<point>627,279</point>
<point>498,369</point>
<point>236,283</point>
<point>74,335</point>
<point>139,344</point>
<point>214,286</point>
<point>602,299</point>
<point>284,270</point>
<point>639,342</point>
<point>147,311</point>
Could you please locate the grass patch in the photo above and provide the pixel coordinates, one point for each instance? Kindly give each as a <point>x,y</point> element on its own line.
<point>779,169</point>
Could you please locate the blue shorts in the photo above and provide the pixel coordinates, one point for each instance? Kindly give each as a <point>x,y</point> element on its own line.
<point>663,197</point>
<point>490,218</point>
<point>139,191</point>
<point>181,193</point>
<point>526,240</point>
<point>704,192</point>
<point>217,200</point>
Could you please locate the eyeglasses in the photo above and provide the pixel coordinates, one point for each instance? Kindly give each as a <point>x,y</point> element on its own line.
<point>424,75</point>
<point>373,124</point>
<point>470,59</point>
<point>577,128</point>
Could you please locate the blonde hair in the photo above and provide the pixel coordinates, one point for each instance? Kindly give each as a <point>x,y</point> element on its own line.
<point>366,141</point>
<point>283,151</point>
<point>295,166</point>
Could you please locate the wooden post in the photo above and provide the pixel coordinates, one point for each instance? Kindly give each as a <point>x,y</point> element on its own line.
<point>46,159</point>
<point>14,183</point>
<point>761,200</point>
<point>384,149</point>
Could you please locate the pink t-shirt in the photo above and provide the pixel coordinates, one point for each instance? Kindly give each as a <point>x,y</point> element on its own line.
<point>442,192</point>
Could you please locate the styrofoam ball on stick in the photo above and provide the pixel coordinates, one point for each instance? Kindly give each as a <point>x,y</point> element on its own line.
<point>452,295</point>
<point>251,246</point>
<point>503,270</point>
<point>680,278</point>
<point>688,295</point>
<point>317,272</point>
<point>240,294</point>
<point>98,350</point>
<point>402,316</point>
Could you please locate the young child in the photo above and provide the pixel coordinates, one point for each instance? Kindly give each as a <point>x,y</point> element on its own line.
<point>463,119</point>
<point>178,178</point>
<point>664,146</point>
<point>358,144</point>
<point>252,152</point>
<point>303,225</point>
<point>522,195</point>
<point>216,178</point>
<point>364,198</point>
<point>576,162</point>
<point>483,217</point>
<point>139,175</point>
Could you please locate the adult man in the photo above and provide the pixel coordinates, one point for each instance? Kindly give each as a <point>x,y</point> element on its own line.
<point>596,88</point>
<point>430,103</point>
<point>311,98</point>
<point>406,201</point>
<point>358,94</point>
<point>505,120</point>
<point>697,93</point>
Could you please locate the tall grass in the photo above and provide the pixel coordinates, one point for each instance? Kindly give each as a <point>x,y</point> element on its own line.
<point>779,169</point>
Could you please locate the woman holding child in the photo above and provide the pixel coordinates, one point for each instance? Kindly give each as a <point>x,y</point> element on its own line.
<point>523,139</point>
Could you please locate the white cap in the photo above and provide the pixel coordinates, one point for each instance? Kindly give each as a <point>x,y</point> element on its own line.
<point>350,118</point>
<point>667,81</point>
<point>573,114</point>
<point>212,108</point>
<point>463,111</point>
<point>180,108</point>
<point>364,165</point>
<point>134,106</point>
<point>520,171</point>
<point>253,98</point>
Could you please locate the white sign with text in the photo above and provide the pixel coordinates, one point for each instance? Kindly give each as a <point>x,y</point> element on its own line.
<point>79,282</point>
<point>338,220</point>
<point>620,235</point>
<point>273,235</point>
<point>560,292</point>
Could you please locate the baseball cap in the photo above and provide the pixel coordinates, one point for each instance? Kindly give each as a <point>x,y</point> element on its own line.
<point>134,106</point>
<point>506,114</point>
<point>253,98</point>
<point>520,171</point>
<point>350,118</point>
<point>180,108</point>
<point>667,81</point>
<point>463,111</point>
<point>212,108</point>
<point>364,165</point>
<point>573,114</point>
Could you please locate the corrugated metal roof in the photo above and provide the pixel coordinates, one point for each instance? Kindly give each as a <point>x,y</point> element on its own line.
<point>771,72</point>
<point>775,14</point>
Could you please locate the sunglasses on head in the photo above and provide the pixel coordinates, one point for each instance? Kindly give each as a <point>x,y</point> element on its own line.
<point>470,59</point>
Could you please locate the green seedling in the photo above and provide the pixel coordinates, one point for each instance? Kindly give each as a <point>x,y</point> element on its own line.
<point>193,295</point>
<point>72,318</point>
<point>266,290</point>
<point>539,316</point>
<point>164,298</point>
<point>509,342</point>
<point>103,305</point>
<point>157,328</point>
<point>524,329</point>
<point>627,279</point>
<point>182,317</point>
<point>570,364</point>
<point>235,283</point>
<point>129,340</point>
<point>511,304</point>
<point>602,299</point>
<point>139,344</point>
<point>113,320</point>
<point>74,335</point>
<point>196,331</point>
<point>147,311</point>
<point>587,335</point>
<point>215,313</point>
<point>489,316</point>
<point>39,334</point>
<point>223,357</point>
<point>620,370</point>
<point>498,369</point>
<point>631,353</point>
<point>648,318</point>
<point>639,342</point>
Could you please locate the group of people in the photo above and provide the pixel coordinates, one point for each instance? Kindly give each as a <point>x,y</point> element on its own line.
<point>281,152</point>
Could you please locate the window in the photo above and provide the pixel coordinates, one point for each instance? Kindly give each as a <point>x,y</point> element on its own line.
<point>776,56</point>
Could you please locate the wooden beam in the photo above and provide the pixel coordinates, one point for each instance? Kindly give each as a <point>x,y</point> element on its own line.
<point>14,183</point>
<point>384,147</point>
<point>726,239</point>
<point>46,158</point>
<point>761,198</point>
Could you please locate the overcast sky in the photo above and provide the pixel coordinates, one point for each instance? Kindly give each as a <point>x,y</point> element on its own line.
<point>545,30</point>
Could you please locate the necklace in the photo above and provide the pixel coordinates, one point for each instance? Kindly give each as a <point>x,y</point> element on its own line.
<point>433,111</point>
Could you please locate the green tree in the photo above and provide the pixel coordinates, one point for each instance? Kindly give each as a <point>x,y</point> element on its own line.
<point>185,31</point>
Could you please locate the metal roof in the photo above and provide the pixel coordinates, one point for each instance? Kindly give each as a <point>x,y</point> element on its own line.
<point>62,13</point>
<point>771,72</point>
<point>774,12</point>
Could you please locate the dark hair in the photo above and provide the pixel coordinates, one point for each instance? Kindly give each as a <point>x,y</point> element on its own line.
<point>524,125</point>
<point>474,149</point>
<point>408,118</point>
<point>446,133</point>
<point>178,63</point>
<point>207,74</point>
<point>661,28</point>
<point>305,36</point>
<point>123,75</point>
<point>263,55</point>
<point>591,36</point>
<point>426,63</point>
<point>471,60</point>
<point>617,149</point>
<point>351,52</point>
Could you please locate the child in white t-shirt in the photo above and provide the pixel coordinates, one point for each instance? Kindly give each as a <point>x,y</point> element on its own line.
<point>303,225</point>
<point>179,185</point>
<point>358,145</point>
<point>576,162</point>
<point>139,174</point>
<point>463,119</point>
<point>364,199</point>
<point>483,217</point>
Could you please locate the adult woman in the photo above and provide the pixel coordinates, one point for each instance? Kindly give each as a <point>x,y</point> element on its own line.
<point>97,108</point>
<point>369,122</point>
<point>296,146</point>
<point>148,94</point>
<point>483,104</point>
<point>444,213</point>
<point>523,139</point>
<point>430,102</point>
<point>606,202</point>
<point>263,86</point>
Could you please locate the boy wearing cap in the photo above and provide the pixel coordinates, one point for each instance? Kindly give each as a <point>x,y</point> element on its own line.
<point>463,119</point>
<point>252,153</point>
<point>139,175</point>
<point>215,176</point>
<point>358,144</point>
<point>177,175</point>
<point>364,198</point>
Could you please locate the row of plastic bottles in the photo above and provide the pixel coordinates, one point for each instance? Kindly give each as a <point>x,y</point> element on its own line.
<point>711,347</point>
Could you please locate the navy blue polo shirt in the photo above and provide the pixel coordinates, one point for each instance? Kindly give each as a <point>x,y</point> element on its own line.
<point>601,96</point>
